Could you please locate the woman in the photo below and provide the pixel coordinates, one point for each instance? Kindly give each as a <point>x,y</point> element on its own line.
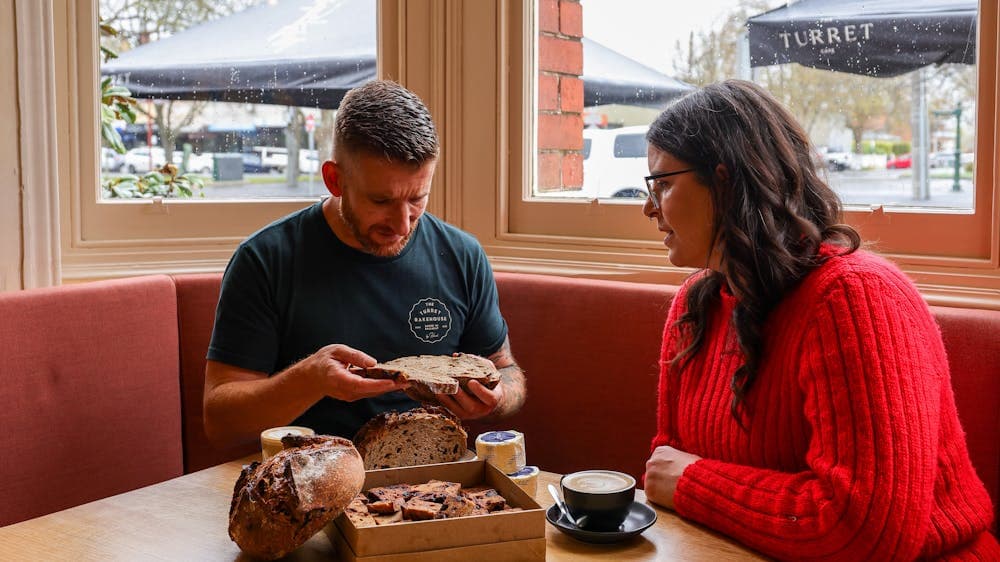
<point>805,400</point>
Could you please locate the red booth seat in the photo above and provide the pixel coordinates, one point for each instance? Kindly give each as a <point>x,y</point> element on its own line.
<point>90,395</point>
<point>103,382</point>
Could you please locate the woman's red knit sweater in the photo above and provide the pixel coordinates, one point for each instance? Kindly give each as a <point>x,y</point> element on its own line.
<point>852,448</point>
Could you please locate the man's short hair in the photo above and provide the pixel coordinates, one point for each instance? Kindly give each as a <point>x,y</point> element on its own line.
<point>383,118</point>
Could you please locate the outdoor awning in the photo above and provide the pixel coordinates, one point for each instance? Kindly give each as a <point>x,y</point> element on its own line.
<point>611,77</point>
<point>311,52</point>
<point>294,52</point>
<point>871,37</point>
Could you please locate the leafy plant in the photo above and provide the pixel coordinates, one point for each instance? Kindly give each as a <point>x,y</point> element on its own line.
<point>117,103</point>
<point>165,182</point>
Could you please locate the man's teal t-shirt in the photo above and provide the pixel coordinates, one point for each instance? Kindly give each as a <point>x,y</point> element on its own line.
<point>294,287</point>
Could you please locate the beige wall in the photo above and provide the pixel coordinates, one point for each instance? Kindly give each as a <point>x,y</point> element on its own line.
<point>10,177</point>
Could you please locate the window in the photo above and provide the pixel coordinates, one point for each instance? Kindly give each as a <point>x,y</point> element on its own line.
<point>900,147</point>
<point>240,93</point>
<point>240,140</point>
<point>528,222</point>
<point>632,145</point>
<point>476,65</point>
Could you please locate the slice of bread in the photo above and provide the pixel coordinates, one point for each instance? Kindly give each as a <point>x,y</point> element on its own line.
<point>419,436</point>
<point>436,374</point>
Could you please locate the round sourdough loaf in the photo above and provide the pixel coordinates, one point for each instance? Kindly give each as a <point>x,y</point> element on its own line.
<point>426,435</point>
<point>280,503</point>
<point>436,374</point>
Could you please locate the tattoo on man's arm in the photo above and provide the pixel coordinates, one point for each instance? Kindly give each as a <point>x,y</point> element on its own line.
<point>512,378</point>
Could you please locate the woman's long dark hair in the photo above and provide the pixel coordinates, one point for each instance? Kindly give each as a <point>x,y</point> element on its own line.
<point>772,210</point>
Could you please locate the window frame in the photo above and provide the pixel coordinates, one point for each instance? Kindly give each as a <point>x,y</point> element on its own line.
<point>609,239</point>
<point>112,238</point>
<point>469,61</point>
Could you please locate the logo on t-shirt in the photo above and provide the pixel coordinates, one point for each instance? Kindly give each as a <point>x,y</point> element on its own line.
<point>430,320</point>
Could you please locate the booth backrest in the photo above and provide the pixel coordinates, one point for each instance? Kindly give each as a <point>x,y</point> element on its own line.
<point>197,296</point>
<point>590,350</point>
<point>89,393</point>
<point>102,383</point>
<point>972,338</point>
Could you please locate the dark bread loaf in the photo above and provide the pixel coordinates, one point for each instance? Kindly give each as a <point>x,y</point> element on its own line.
<point>280,503</point>
<point>420,436</point>
<point>436,374</point>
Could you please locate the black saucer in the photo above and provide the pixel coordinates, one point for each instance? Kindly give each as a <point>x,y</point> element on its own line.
<point>640,517</point>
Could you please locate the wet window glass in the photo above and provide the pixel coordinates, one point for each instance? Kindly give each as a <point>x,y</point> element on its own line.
<point>885,90</point>
<point>630,146</point>
<point>232,99</point>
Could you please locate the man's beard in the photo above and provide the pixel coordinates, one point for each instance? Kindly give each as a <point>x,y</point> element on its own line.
<point>367,244</point>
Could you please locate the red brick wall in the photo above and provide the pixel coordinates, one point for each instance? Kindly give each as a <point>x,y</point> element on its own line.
<point>560,95</point>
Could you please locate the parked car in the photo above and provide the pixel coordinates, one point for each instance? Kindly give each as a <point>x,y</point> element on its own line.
<point>900,162</point>
<point>947,159</point>
<point>252,163</point>
<point>142,159</point>
<point>836,159</point>
<point>197,163</point>
<point>111,161</point>
<point>615,162</point>
<point>137,160</point>
<point>309,162</point>
<point>272,158</point>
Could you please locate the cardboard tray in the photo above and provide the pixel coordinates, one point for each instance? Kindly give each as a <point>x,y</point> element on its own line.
<point>505,535</point>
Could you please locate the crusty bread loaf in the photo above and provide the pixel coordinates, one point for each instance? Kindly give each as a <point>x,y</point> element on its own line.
<point>436,374</point>
<point>420,436</point>
<point>278,504</point>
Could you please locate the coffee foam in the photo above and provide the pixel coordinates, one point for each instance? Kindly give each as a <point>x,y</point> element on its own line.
<point>598,481</point>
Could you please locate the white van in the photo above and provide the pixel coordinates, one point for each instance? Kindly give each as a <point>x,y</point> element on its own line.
<point>197,163</point>
<point>273,158</point>
<point>615,162</point>
<point>138,160</point>
<point>142,159</point>
<point>614,165</point>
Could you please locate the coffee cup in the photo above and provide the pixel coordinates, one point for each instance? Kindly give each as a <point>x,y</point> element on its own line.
<point>270,439</point>
<point>603,496</point>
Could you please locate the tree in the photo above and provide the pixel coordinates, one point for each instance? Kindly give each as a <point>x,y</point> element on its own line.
<point>818,98</point>
<point>713,55</point>
<point>138,22</point>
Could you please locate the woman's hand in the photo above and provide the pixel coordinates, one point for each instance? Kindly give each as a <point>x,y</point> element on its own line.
<point>663,469</point>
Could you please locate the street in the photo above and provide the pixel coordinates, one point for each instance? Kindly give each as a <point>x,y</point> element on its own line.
<point>266,186</point>
<point>870,187</point>
<point>895,188</point>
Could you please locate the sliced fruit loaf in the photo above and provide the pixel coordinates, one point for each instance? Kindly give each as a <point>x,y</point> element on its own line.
<point>420,436</point>
<point>436,374</point>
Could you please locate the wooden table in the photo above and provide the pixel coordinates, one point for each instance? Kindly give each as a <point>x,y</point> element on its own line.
<point>187,519</point>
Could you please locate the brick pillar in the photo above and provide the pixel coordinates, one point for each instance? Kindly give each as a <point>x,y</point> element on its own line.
<point>560,95</point>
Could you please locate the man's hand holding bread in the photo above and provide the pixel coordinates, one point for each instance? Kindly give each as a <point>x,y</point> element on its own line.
<point>469,386</point>
<point>474,401</point>
<point>329,368</point>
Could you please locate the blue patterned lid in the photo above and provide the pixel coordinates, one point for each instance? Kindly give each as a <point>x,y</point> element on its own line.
<point>497,436</point>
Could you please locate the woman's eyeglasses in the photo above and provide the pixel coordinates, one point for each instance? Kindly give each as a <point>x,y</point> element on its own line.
<point>655,185</point>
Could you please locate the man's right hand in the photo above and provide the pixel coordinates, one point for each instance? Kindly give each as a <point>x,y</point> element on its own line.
<point>240,403</point>
<point>329,367</point>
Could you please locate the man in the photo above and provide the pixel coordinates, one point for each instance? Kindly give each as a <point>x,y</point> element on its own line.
<point>363,275</point>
